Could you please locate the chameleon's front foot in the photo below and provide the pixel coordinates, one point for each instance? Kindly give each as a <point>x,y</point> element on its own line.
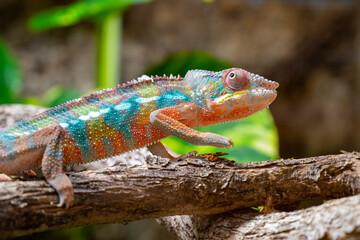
<point>216,140</point>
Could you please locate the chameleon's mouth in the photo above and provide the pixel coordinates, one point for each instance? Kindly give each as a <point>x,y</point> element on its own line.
<point>258,93</point>
<point>264,92</point>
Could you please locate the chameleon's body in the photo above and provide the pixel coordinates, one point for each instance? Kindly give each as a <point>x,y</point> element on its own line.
<point>130,116</point>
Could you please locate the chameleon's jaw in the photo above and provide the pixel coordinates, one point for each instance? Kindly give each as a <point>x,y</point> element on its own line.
<point>249,97</point>
<point>237,105</point>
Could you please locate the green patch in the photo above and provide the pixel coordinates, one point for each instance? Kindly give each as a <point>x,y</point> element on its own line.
<point>76,12</point>
<point>181,62</point>
<point>147,90</point>
<point>10,75</point>
<point>85,109</point>
<point>110,99</point>
<point>43,121</point>
<point>13,130</point>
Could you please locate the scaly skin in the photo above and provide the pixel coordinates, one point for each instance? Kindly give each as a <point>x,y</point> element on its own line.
<point>130,116</point>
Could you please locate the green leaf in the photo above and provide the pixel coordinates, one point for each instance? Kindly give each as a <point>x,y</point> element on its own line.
<point>258,208</point>
<point>31,100</point>
<point>53,97</point>
<point>181,62</point>
<point>108,36</point>
<point>10,75</point>
<point>58,95</point>
<point>78,11</point>
<point>255,138</point>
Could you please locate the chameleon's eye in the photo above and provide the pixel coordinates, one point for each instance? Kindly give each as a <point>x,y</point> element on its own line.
<point>231,75</point>
<point>237,79</point>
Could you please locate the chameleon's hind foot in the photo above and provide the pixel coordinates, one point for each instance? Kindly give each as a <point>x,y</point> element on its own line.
<point>5,178</point>
<point>65,190</point>
<point>52,168</point>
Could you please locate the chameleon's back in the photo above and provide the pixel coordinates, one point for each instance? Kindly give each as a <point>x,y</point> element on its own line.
<point>102,124</point>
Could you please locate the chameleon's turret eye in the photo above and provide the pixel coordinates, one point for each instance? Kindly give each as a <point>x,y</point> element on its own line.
<point>237,79</point>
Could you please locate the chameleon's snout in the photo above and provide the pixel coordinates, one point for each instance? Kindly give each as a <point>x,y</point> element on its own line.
<point>262,82</point>
<point>264,89</point>
<point>270,85</point>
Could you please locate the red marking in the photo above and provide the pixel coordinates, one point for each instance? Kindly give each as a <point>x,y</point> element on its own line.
<point>71,151</point>
<point>142,137</point>
<point>97,130</point>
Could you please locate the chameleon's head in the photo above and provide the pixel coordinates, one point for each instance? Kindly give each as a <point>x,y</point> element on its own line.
<point>232,93</point>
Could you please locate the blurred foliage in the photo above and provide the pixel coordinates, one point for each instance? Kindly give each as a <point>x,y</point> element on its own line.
<point>10,75</point>
<point>255,138</point>
<point>76,12</point>
<point>105,13</point>
<point>11,84</point>
<point>58,95</point>
<point>54,96</point>
<point>181,62</point>
<point>108,48</point>
<point>107,16</point>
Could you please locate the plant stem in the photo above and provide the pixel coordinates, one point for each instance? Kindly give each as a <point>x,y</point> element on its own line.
<point>108,36</point>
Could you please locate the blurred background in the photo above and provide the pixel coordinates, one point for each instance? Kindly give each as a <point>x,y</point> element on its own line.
<point>53,51</point>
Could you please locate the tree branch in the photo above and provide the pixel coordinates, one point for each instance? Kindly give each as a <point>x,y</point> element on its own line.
<point>163,188</point>
<point>335,219</point>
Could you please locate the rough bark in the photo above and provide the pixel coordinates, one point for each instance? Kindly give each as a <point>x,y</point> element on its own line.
<point>335,219</point>
<point>163,188</point>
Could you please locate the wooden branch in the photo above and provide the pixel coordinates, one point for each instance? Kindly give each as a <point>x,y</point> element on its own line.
<point>335,219</point>
<point>164,188</point>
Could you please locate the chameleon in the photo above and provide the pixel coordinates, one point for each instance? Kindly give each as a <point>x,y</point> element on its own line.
<point>132,115</point>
